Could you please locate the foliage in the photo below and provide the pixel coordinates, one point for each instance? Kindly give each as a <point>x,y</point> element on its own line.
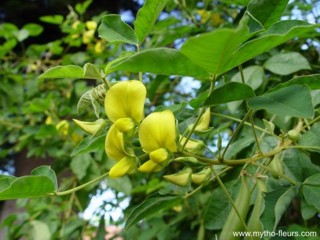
<point>239,152</point>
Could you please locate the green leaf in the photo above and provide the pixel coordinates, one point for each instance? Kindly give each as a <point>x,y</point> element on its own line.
<point>311,81</point>
<point>313,180</point>
<point>89,144</point>
<point>164,61</point>
<point>294,101</point>
<point>267,12</point>
<point>91,72</point>
<point>122,184</point>
<point>283,203</point>
<point>151,207</point>
<point>311,138</point>
<point>82,7</point>
<point>286,63</point>
<point>268,215</point>
<point>215,210</point>
<point>113,29</point>
<point>229,92</point>
<point>7,46</point>
<point>147,16</point>
<point>47,172</point>
<point>54,19</point>
<point>22,35</point>
<point>238,146</point>
<point>69,71</point>
<point>101,232</point>
<point>253,76</point>
<point>5,181</point>
<point>39,230</point>
<point>79,165</point>
<point>312,195</point>
<point>277,34</point>
<point>307,211</point>
<point>28,187</point>
<point>212,57</point>
<point>33,29</point>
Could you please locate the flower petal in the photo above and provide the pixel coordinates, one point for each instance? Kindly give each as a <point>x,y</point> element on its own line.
<point>114,144</point>
<point>126,165</point>
<point>158,131</point>
<point>150,166</point>
<point>125,100</point>
<point>124,124</point>
<point>159,156</point>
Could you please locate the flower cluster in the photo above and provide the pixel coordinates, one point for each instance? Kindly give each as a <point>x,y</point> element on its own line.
<point>157,134</point>
<point>124,106</point>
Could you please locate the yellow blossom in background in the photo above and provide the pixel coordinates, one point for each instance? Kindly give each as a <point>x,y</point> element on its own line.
<point>87,36</point>
<point>126,100</point>
<point>98,47</point>
<point>63,127</point>
<point>157,135</point>
<point>91,25</point>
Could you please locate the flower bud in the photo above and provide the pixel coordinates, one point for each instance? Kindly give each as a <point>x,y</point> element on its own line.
<point>181,178</point>
<point>204,122</point>
<point>187,160</point>
<point>91,127</point>
<point>276,166</point>
<point>294,135</point>
<point>201,177</point>
<point>193,145</point>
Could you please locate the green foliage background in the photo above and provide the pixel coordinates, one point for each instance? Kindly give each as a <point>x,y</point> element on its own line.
<point>255,67</point>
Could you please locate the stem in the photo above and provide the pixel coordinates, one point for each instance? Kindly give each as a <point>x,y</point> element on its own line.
<point>229,197</point>
<point>245,123</point>
<point>205,183</point>
<point>212,83</point>
<point>79,187</point>
<point>279,174</point>
<point>140,73</point>
<point>250,116</point>
<point>234,134</point>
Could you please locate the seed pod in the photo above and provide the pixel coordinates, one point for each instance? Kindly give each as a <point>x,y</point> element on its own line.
<point>276,166</point>
<point>242,203</point>
<point>254,224</point>
<point>201,177</point>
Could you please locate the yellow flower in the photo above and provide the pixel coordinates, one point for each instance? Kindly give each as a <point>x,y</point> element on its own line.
<point>158,130</point>
<point>114,144</point>
<point>91,25</point>
<point>157,135</point>
<point>125,100</point>
<point>115,149</point>
<point>124,124</point>
<point>126,165</point>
